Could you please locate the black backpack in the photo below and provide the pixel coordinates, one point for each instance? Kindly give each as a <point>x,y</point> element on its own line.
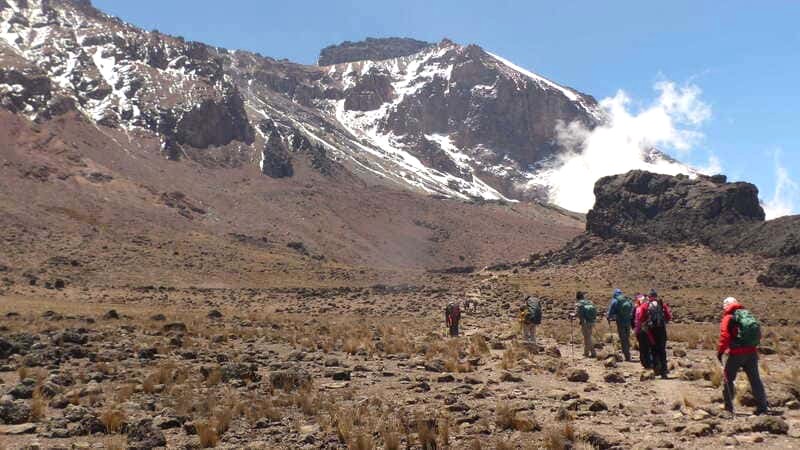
<point>655,315</point>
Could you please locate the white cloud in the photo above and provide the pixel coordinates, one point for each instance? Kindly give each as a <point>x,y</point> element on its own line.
<point>627,142</point>
<point>712,167</point>
<point>786,197</point>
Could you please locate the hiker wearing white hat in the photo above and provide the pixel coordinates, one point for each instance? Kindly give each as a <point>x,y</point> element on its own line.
<point>739,336</point>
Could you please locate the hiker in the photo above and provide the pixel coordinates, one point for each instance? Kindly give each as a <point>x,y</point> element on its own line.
<point>531,316</point>
<point>587,314</point>
<point>658,315</point>
<point>739,336</point>
<point>643,336</point>
<point>620,311</point>
<point>452,315</point>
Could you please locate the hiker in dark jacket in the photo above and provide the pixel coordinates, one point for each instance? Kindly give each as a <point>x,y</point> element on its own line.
<point>620,311</point>
<point>452,316</point>
<point>530,317</point>
<point>658,316</point>
<point>587,315</point>
<point>741,355</point>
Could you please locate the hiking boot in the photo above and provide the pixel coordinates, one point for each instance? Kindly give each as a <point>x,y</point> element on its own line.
<point>761,412</point>
<point>726,415</point>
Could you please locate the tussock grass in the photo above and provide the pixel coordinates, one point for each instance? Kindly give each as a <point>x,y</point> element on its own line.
<point>207,433</point>
<point>506,418</point>
<point>559,436</point>
<point>113,419</point>
<point>38,405</point>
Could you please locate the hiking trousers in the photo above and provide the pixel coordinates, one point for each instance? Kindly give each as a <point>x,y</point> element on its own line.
<point>660,350</point>
<point>624,332</point>
<point>749,363</point>
<point>454,330</point>
<point>645,351</point>
<point>588,345</point>
<point>529,333</point>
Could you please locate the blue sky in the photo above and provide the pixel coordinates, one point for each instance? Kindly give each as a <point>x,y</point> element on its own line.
<point>743,55</point>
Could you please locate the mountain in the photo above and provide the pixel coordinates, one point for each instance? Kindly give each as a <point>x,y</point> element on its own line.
<point>128,155</point>
<point>441,119</point>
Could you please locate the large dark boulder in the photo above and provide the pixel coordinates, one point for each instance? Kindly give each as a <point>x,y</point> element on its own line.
<point>646,207</point>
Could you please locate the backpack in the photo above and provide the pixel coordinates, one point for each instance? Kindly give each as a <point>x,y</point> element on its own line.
<point>749,334</point>
<point>624,309</point>
<point>587,311</point>
<point>655,315</point>
<point>533,314</point>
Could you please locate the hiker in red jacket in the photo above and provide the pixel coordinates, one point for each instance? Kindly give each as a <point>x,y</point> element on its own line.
<point>643,336</point>
<point>452,316</point>
<point>739,334</point>
<point>658,316</point>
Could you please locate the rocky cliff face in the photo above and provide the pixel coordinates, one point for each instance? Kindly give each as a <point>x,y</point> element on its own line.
<point>370,49</point>
<point>643,208</point>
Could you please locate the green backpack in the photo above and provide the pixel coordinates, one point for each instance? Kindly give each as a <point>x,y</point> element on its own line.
<point>587,311</point>
<point>749,334</point>
<point>624,309</point>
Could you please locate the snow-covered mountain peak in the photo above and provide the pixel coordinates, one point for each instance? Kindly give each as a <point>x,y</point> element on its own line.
<point>437,118</point>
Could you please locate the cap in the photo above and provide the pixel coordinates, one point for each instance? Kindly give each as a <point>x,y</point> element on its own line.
<point>653,293</point>
<point>617,291</point>
<point>728,301</point>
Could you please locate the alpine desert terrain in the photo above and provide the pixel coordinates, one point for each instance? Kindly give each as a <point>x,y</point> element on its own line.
<point>207,248</point>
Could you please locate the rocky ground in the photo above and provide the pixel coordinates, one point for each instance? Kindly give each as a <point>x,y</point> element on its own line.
<point>359,367</point>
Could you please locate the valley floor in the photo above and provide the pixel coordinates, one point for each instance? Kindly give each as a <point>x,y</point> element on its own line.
<point>361,367</point>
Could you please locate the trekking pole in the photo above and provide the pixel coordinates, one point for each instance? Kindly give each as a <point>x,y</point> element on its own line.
<point>611,332</point>
<point>571,340</point>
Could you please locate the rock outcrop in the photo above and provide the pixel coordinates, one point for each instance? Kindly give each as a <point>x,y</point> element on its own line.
<point>370,48</point>
<point>643,208</point>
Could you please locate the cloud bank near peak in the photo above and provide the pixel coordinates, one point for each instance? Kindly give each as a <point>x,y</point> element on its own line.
<point>628,141</point>
<point>786,196</point>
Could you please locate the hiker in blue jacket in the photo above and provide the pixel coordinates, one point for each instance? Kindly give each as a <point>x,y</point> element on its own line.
<point>620,311</point>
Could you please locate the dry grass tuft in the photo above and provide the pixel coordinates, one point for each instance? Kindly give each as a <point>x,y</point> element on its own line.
<point>506,418</point>
<point>214,377</point>
<point>223,418</point>
<point>716,376</point>
<point>478,345</point>
<point>361,441</point>
<point>391,438</point>
<point>207,433</point>
<point>149,384</point>
<point>308,401</point>
<point>426,434</point>
<point>113,419</point>
<point>509,359</point>
<point>38,405</point>
<point>260,409</point>
<point>560,436</point>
